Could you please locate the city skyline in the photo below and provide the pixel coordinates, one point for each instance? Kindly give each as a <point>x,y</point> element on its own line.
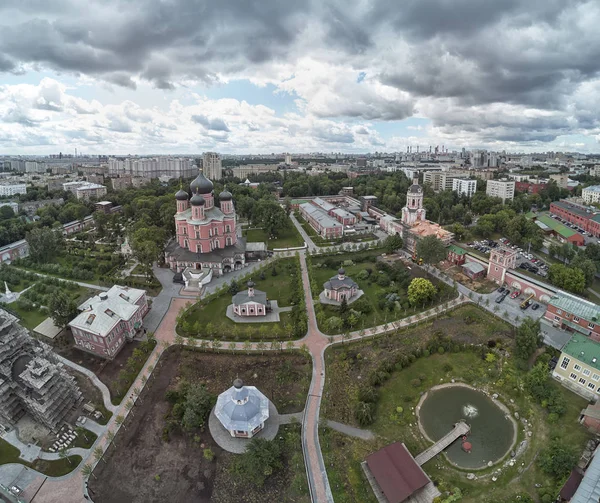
<point>356,77</point>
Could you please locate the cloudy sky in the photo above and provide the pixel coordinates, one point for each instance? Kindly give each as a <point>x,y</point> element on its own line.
<point>261,76</point>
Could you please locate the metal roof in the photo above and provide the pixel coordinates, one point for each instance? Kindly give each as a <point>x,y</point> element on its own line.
<point>326,206</point>
<point>242,409</point>
<point>319,215</point>
<point>589,489</point>
<point>576,305</point>
<point>561,229</point>
<point>474,267</point>
<point>244,297</point>
<point>584,349</point>
<point>102,312</point>
<point>457,249</point>
<point>396,472</point>
<point>335,283</point>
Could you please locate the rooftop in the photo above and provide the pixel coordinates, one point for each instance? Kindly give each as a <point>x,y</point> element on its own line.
<point>242,408</point>
<point>589,489</point>
<point>577,210</point>
<point>581,308</point>
<point>584,349</point>
<point>474,267</point>
<point>556,226</point>
<point>102,312</point>
<point>593,188</point>
<point>319,215</point>
<point>396,472</point>
<point>457,249</point>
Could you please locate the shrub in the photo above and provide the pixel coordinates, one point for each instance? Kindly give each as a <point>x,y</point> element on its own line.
<point>441,350</point>
<point>208,454</point>
<point>447,367</point>
<point>415,382</point>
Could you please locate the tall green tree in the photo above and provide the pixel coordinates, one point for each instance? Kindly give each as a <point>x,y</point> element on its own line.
<point>420,290</point>
<point>393,243</point>
<point>569,278</point>
<point>44,244</point>
<point>558,458</point>
<point>62,308</point>
<point>431,250</point>
<point>527,339</point>
<point>198,404</point>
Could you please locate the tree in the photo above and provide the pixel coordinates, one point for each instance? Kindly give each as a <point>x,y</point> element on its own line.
<point>64,454</point>
<point>87,470</point>
<point>62,308</point>
<point>420,291</point>
<point>198,404</point>
<point>260,460</point>
<point>558,459</point>
<point>98,454</point>
<point>44,244</point>
<point>270,216</point>
<point>569,278</point>
<point>528,339</point>
<point>431,250</point>
<point>393,243</point>
<point>587,266</point>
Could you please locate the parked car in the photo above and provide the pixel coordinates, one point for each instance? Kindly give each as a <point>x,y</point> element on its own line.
<point>500,299</point>
<point>535,307</point>
<point>525,305</point>
<point>501,289</point>
<point>515,294</point>
<point>523,265</point>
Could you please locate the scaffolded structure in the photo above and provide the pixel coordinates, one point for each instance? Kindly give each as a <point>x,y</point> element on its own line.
<point>32,379</point>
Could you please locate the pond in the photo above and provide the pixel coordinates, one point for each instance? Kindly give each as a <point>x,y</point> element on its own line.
<point>492,433</point>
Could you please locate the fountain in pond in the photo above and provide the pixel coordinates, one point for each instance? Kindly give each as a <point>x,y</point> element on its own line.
<point>492,433</point>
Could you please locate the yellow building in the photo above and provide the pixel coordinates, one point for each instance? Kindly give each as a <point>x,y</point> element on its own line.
<point>578,367</point>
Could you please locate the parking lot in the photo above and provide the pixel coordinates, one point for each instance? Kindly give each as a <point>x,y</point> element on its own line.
<point>513,305</point>
<point>525,261</point>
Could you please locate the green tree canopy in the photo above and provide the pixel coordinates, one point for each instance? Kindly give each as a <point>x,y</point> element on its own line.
<point>198,404</point>
<point>569,278</point>
<point>558,459</point>
<point>393,243</point>
<point>431,250</point>
<point>527,339</point>
<point>420,291</point>
<point>62,309</point>
<point>44,244</point>
<point>259,461</point>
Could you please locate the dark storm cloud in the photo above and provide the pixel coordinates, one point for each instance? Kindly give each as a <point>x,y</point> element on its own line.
<point>210,124</point>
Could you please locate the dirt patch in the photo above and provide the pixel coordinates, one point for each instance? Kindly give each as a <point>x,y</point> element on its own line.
<point>106,370</point>
<point>156,470</point>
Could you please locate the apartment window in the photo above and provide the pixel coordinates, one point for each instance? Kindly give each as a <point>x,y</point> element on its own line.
<point>577,367</point>
<point>573,376</point>
<point>591,325</point>
<point>575,319</point>
<point>592,386</point>
<point>582,381</point>
<point>558,311</point>
<point>586,372</point>
<point>595,377</point>
<point>565,363</point>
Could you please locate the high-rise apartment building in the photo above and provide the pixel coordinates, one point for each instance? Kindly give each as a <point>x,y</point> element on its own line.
<point>464,187</point>
<point>504,189</point>
<point>211,166</point>
<point>151,167</point>
<point>13,189</point>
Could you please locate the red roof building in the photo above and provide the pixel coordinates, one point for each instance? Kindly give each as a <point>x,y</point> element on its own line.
<point>396,472</point>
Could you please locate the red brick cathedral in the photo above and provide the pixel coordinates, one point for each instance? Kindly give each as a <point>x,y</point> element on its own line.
<point>205,234</point>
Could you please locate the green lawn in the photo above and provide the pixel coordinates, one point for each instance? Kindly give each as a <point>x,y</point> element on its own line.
<point>80,439</point>
<point>287,238</point>
<point>208,319</point>
<point>322,270</point>
<point>54,468</point>
<point>404,383</point>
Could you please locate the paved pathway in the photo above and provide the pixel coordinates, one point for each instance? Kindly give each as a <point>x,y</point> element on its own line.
<point>97,382</point>
<point>85,285</point>
<point>350,430</point>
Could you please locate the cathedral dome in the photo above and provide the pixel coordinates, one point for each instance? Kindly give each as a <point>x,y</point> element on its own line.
<point>225,196</point>
<point>197,200</point>
<point>182,195</point>
<point>201,185</point>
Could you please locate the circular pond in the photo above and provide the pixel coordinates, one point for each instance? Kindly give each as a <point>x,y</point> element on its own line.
<point>492,433</point>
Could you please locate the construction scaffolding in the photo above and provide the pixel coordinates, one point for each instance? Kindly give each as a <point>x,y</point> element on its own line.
<point>32,380</point>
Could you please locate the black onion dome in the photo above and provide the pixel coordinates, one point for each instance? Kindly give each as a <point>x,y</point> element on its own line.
<point>182,195</point>
<point>201,185</point>
<point>225,196</point>
<point>341,271</point>
<point>197,200</point>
